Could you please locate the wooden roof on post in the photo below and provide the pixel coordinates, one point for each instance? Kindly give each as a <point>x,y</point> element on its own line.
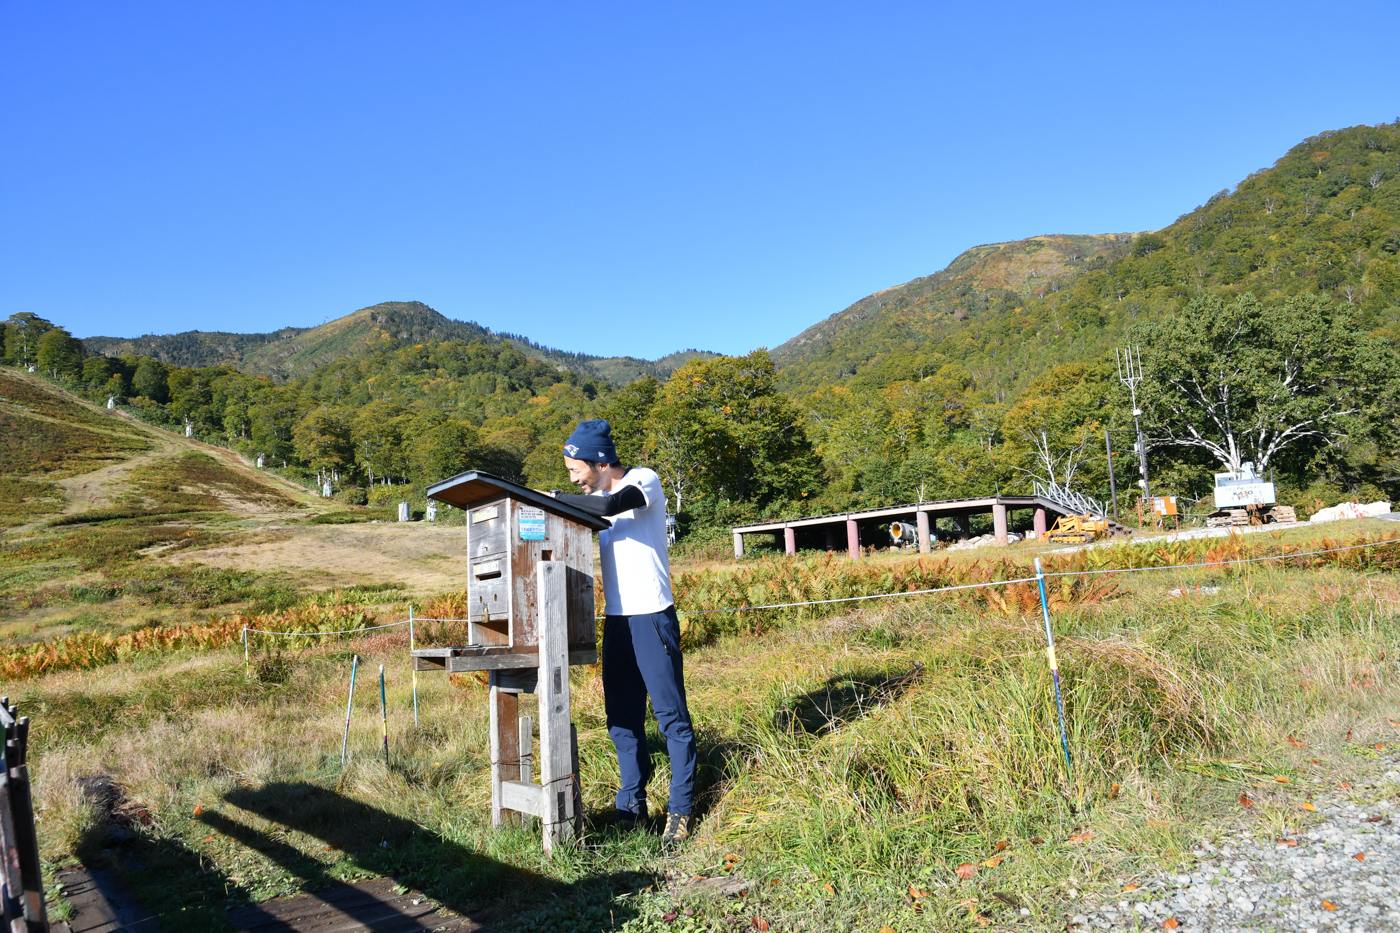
<point>467,489</point>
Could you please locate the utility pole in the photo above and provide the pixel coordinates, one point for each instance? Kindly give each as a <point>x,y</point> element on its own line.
<point>1112,483</point>
<point>1130,374</point>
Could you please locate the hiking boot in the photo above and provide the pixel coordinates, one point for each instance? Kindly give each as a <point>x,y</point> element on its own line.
<point>679,826</point>
<point>628,821</point>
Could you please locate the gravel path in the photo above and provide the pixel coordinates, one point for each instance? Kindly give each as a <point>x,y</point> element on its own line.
<point>1341,876</point>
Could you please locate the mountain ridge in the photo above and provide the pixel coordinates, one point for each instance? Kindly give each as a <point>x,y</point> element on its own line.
<point>292,352</point>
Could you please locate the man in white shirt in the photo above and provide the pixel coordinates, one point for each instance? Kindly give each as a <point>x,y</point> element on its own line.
<point>641,635</point>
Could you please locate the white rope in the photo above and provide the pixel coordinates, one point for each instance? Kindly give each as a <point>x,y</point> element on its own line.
<point>1061,573</point>
<point>929,592</point>
<point>1221,563</point>
<point>346,631</point>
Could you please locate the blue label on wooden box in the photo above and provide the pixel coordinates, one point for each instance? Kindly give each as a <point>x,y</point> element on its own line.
<point>531,524</point>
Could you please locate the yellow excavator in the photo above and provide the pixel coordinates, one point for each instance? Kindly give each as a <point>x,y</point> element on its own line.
<point>1078,529</point>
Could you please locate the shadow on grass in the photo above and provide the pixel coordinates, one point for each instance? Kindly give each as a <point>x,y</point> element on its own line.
<point>186,890</point>
<point>382,844</point>
<point>843,699</point>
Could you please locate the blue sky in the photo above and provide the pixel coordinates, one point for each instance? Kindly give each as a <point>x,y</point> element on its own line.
<point>619,179</point>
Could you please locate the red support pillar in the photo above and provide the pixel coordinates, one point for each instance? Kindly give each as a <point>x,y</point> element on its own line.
<point>790,539</point>
<point>925,545</point>
<point>999,522</point>
<point>852,537</point>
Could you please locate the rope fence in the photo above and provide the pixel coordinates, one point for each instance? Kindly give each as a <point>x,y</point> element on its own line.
<point>1039,578</point>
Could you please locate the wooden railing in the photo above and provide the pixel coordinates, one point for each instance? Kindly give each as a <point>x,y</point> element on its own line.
<point>21,880</point>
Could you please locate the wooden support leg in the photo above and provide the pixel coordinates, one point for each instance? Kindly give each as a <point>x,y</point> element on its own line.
<point>527,739</point>
<point>557,774</point>
<point>505,751</point>
<point>925,542</point>
<point>578,785</point>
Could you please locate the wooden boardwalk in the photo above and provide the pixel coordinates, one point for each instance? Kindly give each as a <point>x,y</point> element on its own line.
<point>101,906</point>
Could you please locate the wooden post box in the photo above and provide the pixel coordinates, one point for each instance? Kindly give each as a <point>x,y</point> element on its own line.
<point>530,616</point>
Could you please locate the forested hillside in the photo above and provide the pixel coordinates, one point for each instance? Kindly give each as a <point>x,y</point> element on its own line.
<point>293,352</point>
<point>1324,219</point>
<point>1267,319</point>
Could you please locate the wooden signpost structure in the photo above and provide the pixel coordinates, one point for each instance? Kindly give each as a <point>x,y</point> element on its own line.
<point>530,616</point>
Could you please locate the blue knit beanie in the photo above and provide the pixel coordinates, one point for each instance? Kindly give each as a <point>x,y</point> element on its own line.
<point>592,440</point>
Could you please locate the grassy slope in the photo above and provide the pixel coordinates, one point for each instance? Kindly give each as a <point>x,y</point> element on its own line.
<point>868,751</point>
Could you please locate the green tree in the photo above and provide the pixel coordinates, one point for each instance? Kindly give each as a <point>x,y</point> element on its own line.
<point>377,432</point>
<point>724,421</point>
<point>1245,380</point>
<point>1054,431</point>
<point>22,332</point>
<point>322,441</point>
<point>97,370</point>
<point>59,354</point>
<point>149,381</point>
<point>444,450</point>
<point>272,419</point>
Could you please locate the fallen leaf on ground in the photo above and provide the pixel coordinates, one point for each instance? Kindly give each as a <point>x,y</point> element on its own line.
<point>966,870</point>
<point>1171,923</point>
<point>993,862</point>
<point>1245,801</point>
<point>1374,819</point>
<point>1130,887</point>
<point>1282,780</point>
<point>1307,806</point>
<point>1380,746</point>
<point>1295,743</point>
<point>667,918</point>
<point>775,881</point>
<point>731,858</point>
<point>917,892</point>
<point>1345,785</point>
<point>1315,761</point>
<point>1081,837</point>
<point>208,838</point>
<point>886,929</point>
<point>1000,846</point>
<point>760,925</point>
<point>829,888</point>
<point>1113,790</point>
<point>198,809</point>
<point>1286,842</point>
<point>967,902</point>
<point>983,920</point>
<point>1328,905</point>
<point>1360,856</point>
<point>1037,840</point>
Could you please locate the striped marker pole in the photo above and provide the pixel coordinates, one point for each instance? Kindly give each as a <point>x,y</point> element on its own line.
<point>411,646</point>
<point>1054,666</point>
<point>384,715</point>
<point>349,705</point>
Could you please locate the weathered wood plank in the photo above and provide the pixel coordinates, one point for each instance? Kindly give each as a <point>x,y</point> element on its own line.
<point>505,751</point>
<point>522,797</point>
<point>556,748</point>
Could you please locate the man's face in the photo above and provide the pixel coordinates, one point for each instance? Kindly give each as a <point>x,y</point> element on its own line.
<point>587,476</point>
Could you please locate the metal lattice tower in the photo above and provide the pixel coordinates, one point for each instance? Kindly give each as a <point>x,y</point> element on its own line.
<point>1129,363</point>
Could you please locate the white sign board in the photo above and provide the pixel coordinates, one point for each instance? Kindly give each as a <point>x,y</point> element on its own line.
<point>531,524</point>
